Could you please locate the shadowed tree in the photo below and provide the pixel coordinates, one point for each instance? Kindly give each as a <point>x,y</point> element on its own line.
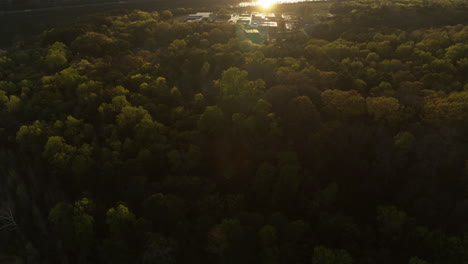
<point>74,227</point>
<point>211,121</point>
<point>323,255</point>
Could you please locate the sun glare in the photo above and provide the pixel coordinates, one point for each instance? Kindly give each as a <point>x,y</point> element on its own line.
<point>266,3</point>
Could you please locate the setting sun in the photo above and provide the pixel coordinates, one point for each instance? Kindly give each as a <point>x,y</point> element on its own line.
<point>266,3</point>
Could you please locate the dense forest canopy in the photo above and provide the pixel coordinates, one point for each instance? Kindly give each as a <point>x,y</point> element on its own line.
<point>135,138</point>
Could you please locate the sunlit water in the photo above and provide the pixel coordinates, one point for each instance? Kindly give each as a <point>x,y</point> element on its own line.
<point>269,3</point>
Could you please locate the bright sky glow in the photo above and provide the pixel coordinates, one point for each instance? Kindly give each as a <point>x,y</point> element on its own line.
<point>266,3</point>
<point>269,3</point>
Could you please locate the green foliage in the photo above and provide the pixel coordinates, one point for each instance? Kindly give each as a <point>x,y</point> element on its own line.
<point>217,150</point>
<point>32,137</point>
<point>238,94</point>
<point>74,226</point>
<point>416,260</point>
<point>94,44</point>
<point>323,255</point>
<point>119,219</point>
<point>224,237</point>
<point>404,140</point>
<point>57,152</point>
<point>13,104</point>
<point>160,250</point>
<point>457,52</point>
<point>177,47</point>
<point>269,239</point>
<point>56,57</point>
<point>289,178</point>
<point>326,197</point>
<point>211,121</point>
<point>340,104</point>
<point>166,14</point>
<point>383,108</point>
<point>391,221</point>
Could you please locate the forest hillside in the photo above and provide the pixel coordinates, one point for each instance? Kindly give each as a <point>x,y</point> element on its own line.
<point>136,138</point>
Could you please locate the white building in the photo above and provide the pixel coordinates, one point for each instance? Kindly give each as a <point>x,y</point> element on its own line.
<point>244,19</point>
<point>200,16</point>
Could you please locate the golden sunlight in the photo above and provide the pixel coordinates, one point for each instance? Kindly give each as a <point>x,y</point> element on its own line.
<point>266,3</point>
